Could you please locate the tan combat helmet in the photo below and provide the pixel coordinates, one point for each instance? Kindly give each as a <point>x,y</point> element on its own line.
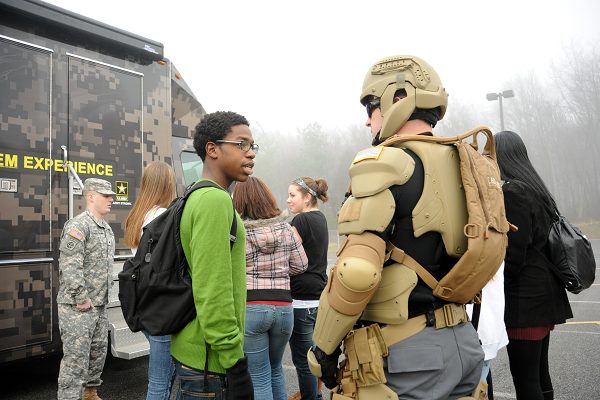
<point>422,85</point>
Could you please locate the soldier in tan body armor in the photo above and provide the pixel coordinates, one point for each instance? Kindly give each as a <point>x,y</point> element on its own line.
<point>399,340</point>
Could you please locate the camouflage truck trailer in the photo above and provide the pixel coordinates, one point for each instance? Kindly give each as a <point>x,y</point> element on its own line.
<point>78,99</point>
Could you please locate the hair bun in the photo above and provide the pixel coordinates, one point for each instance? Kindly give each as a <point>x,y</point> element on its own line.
<point>322,188</point>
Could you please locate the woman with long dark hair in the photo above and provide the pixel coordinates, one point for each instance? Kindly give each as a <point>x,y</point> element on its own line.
<point>535,299</point>
<point>273,254</point>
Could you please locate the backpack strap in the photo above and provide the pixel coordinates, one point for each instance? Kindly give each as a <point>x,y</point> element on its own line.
<point>233,230</point>
<point>208,183</point>
<point>489,149</point>
<point>476,315</point>
<point>401,257</point>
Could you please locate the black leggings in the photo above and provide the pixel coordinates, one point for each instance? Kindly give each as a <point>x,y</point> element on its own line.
<point>529,368</point>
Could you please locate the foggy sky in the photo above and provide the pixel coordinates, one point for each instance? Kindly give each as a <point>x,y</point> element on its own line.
<point>287,64</point>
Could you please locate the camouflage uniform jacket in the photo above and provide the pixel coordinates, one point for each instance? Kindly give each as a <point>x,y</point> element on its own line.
<point>87,247</point>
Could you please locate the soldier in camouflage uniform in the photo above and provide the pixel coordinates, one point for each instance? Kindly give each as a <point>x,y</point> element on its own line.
<point>87,248</point>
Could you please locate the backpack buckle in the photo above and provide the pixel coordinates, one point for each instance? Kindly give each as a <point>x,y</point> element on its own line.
<point>449,315</point>
<point>472,231</point>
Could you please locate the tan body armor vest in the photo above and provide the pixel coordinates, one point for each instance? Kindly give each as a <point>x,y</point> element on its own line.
<point>442,206</point>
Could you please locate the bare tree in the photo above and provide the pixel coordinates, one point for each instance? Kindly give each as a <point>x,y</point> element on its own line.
<point>558,118</point>
<point>460,117</point>
<point>576,78</point>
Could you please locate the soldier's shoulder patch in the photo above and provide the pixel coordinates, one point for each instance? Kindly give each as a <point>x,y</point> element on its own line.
<point>76,233</point>
<point>372,153</point>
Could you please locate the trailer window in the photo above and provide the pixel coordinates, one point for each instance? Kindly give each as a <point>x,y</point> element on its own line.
<point>192,167</point>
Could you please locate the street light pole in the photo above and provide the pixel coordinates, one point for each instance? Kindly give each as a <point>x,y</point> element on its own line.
<point>501,113</point>
<point>498,96</point>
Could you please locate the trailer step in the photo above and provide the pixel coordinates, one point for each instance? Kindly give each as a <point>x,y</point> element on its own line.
<point>124,343</point>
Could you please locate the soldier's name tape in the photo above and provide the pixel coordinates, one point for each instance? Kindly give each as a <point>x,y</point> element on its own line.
<point>15,161</point>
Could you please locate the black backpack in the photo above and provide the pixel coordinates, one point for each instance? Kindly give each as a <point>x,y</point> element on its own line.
<point>155,285</point>
<point>571,255</point>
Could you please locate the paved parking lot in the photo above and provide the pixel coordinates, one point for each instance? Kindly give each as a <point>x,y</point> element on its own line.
<point>574,363</point>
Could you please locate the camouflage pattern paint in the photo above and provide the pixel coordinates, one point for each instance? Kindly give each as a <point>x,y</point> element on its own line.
<point>114,112</point>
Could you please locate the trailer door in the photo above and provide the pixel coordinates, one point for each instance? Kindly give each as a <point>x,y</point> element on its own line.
<point>105,132</point>
<point>25,206</point>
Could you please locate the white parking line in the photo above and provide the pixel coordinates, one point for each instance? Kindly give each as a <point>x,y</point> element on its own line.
<point>584,332</point>
<point>584,301</point>
<point>582,323</point>
<point>503,395</point>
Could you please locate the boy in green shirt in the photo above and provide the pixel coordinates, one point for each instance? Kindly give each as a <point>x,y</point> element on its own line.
<point>209,350</point>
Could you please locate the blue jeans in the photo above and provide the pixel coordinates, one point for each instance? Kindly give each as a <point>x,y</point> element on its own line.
<point>300,342</point>
<point>192,385</point>
<point>161,368</point>
<point>486,369</point>
<point>268,329</point>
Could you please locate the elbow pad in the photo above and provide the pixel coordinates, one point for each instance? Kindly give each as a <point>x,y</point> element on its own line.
<point>357,273</point>
<point>352,283</point>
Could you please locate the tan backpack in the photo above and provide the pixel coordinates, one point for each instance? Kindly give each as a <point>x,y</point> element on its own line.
<point>486,227</point>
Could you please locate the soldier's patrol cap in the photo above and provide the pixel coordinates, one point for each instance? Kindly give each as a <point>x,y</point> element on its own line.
<point>97,185</point>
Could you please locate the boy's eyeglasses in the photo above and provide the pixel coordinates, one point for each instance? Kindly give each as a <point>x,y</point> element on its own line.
<point>372,106</point>
<point>244,145</point>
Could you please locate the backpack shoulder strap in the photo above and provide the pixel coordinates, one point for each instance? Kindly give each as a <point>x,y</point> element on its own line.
<point>208,183</point>
<point>233,230</point>
<point>199,185</point>
<point>489,149</point>
<point>401,257</point>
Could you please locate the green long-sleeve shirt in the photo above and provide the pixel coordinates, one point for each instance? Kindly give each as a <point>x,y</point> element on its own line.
<point>218,283</point>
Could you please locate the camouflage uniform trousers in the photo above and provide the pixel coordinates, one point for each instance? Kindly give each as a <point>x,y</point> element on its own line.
<point>85,343</point>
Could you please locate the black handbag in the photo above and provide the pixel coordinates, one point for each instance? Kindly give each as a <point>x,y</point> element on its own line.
<point>571,255</point>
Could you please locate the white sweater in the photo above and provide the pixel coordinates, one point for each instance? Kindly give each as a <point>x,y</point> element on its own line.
<point>150,215</point>
<point>491,329</point>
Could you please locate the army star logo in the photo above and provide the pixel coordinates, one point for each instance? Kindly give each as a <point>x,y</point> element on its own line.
<point>122,190</point>
<point>71,245</point>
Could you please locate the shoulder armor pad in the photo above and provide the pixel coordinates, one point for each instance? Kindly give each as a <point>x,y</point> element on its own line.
<point>369,213</point>
<point>377,168</point>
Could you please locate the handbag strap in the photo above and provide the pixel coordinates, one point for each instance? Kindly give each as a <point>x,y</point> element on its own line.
<point>206,367</point>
